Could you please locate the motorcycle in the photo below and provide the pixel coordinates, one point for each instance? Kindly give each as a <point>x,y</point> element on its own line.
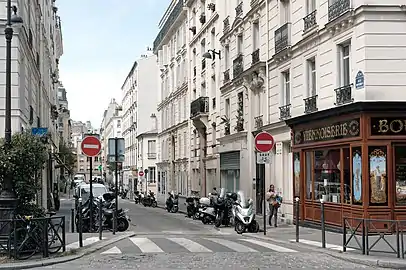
<point>223,208</point>
<point>207,213</point>
<point>150,200</point>
<point>192,207</point>
<point>137,197</point>
<point>124,194</point>
<point>244,216</point>
<point>172,203</point>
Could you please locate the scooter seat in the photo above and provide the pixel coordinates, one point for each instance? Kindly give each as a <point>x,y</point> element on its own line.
<point>108,212</point>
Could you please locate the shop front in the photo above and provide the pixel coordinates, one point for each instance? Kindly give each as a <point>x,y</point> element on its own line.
<point>353,158</point>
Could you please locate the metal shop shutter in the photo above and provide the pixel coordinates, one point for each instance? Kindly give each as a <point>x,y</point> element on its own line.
<point>230,161</point>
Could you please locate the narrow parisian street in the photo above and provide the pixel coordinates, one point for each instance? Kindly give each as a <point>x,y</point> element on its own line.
<point>173,241</point>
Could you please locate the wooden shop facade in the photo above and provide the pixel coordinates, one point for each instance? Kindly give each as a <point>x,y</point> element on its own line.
<point>352,157</point>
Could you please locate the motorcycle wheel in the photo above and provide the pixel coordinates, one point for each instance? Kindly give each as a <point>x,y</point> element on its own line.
<point>196,216</point>
<point>256,226</point>
<point>218,221</point>
<point>206,220</point>
<point>239,228</point>
<point>154,204</point>
<point>175,209</point>
<point>122,224</point>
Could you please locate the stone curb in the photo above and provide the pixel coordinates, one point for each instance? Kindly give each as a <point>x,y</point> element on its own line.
<point>85,251</point>
<point>179,211</point>
<point>368,260</point>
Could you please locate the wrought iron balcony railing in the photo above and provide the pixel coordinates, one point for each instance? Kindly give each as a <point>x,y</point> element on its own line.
<point>309,21</point>
<point>284,112</point>
<point>344,95</point>
<point>199,106</point>
<point>238,66</point>
<point>226,76</point>
<point>282,38</point>
<point>259,123</point>
<point>338,8</point>
<point>310,104</point>
<point>255,57</point>
<point>238,10</point>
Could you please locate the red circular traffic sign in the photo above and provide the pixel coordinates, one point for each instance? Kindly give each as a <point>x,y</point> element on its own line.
<point>141,173</point>
<point>91,146</point>
<point>264,142</point>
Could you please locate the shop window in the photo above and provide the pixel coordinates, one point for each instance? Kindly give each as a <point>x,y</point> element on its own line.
<point>400,174</point>
<point>347,176</point>
<point>356,175</point>
<point>309,172</point>
<point>377,175</point>
<point>296,173</point>
<point>327,180</point>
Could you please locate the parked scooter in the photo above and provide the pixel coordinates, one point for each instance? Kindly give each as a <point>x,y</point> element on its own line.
<point>150,200</point>
<point>172,203</point>
<point>192,207</point>
<point>243,214</point>
<point>223,206</point>
<point>137,197</point>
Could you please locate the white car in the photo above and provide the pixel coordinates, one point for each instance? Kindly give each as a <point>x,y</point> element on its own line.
<point>83,191</point>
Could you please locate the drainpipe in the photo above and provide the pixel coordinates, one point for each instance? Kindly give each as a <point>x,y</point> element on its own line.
<point>189,183</point>
<point>268,118</point>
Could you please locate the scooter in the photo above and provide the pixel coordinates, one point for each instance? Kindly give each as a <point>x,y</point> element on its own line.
<point>172,203</point>
<point>244,216</point>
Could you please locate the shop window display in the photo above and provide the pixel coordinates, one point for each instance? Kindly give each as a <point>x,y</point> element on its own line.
<point>356,175</point>
<point>309,172</point>
<point>296,173</point>
<point>377,174</point>
<point>400,174</point>
<point>347,176</point>
<point>327,173</point>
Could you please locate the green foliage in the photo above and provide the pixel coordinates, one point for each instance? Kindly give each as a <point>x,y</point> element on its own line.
<point>24,161</point>
<point>67,156</point>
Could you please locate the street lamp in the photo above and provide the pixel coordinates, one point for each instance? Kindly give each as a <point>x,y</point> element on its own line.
<point>211,54</point>
<point>7,195</point>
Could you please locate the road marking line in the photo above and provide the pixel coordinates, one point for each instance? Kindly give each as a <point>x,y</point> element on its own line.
<point>189,245</point>
<point>146,245</point>
<point>232,245</point>
<point>318,244</point>
<point>264,142</point>
<point>86,242</point>
<point>113,250</point>
<point>269,245</point>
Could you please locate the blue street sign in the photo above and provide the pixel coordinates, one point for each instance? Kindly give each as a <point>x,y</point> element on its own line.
<point>359,80</point>
<point>39,131</point>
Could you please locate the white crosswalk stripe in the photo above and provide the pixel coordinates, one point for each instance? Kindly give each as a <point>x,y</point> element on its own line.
<point>146,245</point>
<point>180,244</point>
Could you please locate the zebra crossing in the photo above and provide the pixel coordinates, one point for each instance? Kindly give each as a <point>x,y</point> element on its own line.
<point>177,244</point>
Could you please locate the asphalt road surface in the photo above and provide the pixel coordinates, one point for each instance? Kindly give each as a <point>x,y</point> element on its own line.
<point>172,241</point>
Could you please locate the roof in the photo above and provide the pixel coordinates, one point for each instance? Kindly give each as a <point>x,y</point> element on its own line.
<point>150,133</point>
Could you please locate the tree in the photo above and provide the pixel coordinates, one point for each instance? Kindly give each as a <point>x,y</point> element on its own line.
<point>24,161</point>
<point>67,156</point>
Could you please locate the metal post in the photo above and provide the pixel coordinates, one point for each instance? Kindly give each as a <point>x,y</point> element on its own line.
<point>114,221</point>
<point>80,225</point>
<point>297,218</point>
<point>116,175</point>
<point>100,220</point>
<point>72,220</point>
<point>91,195</point>
<point>323,229</point>
<point>264,200</point>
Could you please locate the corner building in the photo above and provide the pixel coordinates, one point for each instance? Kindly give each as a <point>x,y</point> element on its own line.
<point>334,80</point>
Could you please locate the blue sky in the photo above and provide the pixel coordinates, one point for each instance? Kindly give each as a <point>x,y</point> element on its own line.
<point>102,39</point>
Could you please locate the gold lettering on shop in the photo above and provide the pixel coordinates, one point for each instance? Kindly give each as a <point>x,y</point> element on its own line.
<point>394,126</point>
<point>329,132</point>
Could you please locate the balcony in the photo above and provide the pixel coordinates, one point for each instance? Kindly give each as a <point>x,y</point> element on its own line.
<point>238,66</point>
<point>238,10</point>
<point>338,8</point>
<point>151,155</point>
<point>284,112</point>
<point>254,3</point>
<point>259,122</point>
<point>343,95</point>
<point>255,57</point>
<point>309,21</point>
<point>310,104</point>
<point>282,38</point>
<point>226,24</point>
<point>199,109</point>
<point>226,76</point>
<point>203,64</point>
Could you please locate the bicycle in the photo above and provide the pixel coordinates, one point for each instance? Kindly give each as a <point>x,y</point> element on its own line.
<point>24,242</point>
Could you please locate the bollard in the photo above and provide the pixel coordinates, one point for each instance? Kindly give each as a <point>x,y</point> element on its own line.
<point>114,222</point>
<point>297,219</point>
<point>80,225</point>
<point>100,220</point>
<point>323,229</point>
<point>72,220</point>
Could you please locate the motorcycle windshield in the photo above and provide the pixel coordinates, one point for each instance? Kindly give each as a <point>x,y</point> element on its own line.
<point>242,199</point>
<point>222,193</point>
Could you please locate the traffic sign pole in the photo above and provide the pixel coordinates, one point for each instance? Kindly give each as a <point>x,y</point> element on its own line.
<point>91,194</point>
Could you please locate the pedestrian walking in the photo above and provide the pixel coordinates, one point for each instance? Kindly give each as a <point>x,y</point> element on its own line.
<point>274,200</point>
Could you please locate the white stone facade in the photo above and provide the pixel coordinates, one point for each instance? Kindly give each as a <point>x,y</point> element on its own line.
<point>173,103</point>
<point>146,159</point>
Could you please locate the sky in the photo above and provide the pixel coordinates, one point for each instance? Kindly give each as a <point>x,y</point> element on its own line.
<point>101,41</point>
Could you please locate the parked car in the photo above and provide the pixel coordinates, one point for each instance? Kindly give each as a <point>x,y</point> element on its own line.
<point>82,192</point>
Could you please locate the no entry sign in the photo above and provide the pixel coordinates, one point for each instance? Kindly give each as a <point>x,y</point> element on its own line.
<point>264,142</point>
<point>141,173</point>
<point>91,146</point>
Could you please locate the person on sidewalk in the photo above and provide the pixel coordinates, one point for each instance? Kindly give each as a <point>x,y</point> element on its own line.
<point>274,204</point>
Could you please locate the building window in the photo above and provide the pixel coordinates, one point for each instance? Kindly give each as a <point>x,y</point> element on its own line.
<point>227,108</point>
<point>255,35</point>
<point>226,57</point>
<point>400,174</point>
<point>327,175</point>
<point>344,63</point>
<point>96,159</point>
<point>286,87</point>
<point>240,44</point>
<point>151,149</point>
<point>152,174</point>
<point>285,11</point>
<point>184,144</point>
<point>310,6</point>
<point>311,71</point>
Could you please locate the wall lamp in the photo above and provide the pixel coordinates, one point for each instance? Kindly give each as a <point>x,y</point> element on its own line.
<point>211,54</point>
